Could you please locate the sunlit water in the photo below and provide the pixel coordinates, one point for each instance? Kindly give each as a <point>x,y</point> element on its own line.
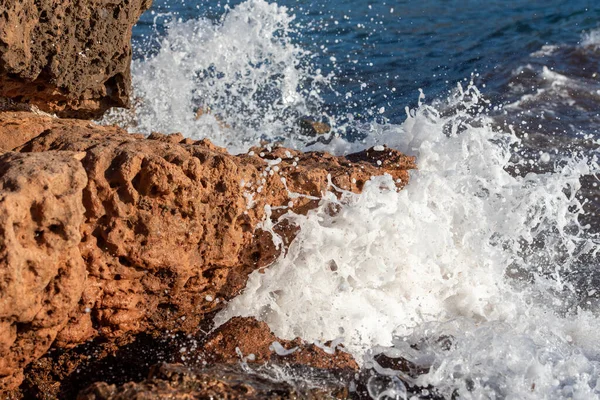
<point>483,271</point>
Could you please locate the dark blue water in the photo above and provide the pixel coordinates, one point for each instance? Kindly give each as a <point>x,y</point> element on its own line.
<point>386,50</point>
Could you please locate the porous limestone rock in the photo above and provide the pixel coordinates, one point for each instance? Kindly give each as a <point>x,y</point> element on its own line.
<point>68,57</point>
<point>42,273</point>
<point>169,229</point>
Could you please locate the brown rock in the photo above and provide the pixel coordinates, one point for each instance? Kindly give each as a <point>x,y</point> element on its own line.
<point>252,340</point>
<point>15,131</point>
<point>69,57</point>
<point>175,381</point>
<point>168,226</point>
<point>63,372</point>
<point>310,127</point>
<point>18,127</point>
<point>42,273</point>
<point>169,229</point>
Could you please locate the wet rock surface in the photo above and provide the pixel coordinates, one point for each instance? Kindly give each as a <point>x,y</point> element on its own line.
<point>113,368</point>
<point>176,381</point>
<point>163,230</point>
<point>251,341</point>
<point>117,250</point>
<point>68,57</point>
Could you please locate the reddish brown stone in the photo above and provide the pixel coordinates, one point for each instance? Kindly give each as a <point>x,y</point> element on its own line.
<point>69,57</point>
<point>42,273</point>
<point>252,341</point>
<point>168,229</point>
<point>18,127</point>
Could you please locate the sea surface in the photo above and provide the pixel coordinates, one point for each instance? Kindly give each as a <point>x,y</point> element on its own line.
<point>483,273</point>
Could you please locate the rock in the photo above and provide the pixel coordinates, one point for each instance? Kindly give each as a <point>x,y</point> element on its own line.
<point>15,131</point>
<point>253,342</point>
<point>237,360</point>
<point>175,381</point>
<point>63,372</point>
<point>169,228</point>
<point>69,57</point>
<point>42,273</point>
<point>126,370</point>
<point>18,127</point>
<point>113,369</point>
<point>310,127</point>
<point>146,198</point>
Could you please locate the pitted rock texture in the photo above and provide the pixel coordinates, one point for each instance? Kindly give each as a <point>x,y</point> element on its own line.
<point>42,273</point>
<point>170,228</point>
<point>68,57</point>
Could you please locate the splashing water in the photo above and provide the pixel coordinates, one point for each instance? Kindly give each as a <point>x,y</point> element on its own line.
<point>449,256</point>
<point>236,81</point>
<point>591,39</point>
<point>482,278</point>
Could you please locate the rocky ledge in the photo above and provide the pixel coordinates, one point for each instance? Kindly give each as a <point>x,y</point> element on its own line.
<point>68,57</point>
<point>107,235</point>
<point>117,249</point>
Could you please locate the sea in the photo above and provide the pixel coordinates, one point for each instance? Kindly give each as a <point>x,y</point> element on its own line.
<point>483,274</point>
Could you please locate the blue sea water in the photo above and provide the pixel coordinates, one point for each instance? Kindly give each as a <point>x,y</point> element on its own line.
<point>385,51</point>
<point>493,245</point>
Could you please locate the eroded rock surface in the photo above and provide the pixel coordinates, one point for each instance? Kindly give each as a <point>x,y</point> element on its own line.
<point>19,127</point>
<point>42,273</point>
<point>69,57</point>
<point>169,227</point>
<point>170,224</point>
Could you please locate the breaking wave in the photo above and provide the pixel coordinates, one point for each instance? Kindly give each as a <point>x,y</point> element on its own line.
<point>238,80</point>
<point>467,252</point>
<point>480,275</point>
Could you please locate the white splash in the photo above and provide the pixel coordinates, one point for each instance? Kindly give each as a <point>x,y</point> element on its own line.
<point>545,51</point>
<point>591,39</point>
<point>237,81</point>
<point>466,251</point>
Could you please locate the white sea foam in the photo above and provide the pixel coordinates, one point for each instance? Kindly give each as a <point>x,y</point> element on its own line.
<point>546,50</point>
<point>591,39</point>
<point>449,256</point>
<point>554,89</point>
<point>244,72</point>
<point>466,252</point>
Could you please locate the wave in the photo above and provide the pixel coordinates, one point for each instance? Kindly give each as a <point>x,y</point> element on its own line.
<point>481,272</point>
<point>467,251</point>
<point>591,39</point>
<point>238,80</point>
